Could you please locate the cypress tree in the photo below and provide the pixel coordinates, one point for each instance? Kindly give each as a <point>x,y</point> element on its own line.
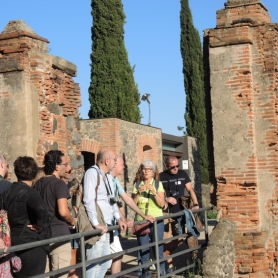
<point>195,114</point>
<point>113,91</point>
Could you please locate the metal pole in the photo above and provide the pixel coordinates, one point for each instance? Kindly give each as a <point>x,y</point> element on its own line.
<point>156,249</point>
<point>83,256</point>
<point>206,227</point>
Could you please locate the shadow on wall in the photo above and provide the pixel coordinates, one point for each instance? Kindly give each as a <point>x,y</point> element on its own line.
<point>89,159</point>
<point>126,179</point>
<point>195,172</point>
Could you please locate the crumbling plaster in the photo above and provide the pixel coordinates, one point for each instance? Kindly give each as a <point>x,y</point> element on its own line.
<point>229,121</point>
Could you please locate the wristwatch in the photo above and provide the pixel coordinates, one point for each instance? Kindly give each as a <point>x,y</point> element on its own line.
<point>195,205</point>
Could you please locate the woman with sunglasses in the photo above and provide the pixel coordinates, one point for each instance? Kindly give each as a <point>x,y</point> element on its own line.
<point>148,194</point>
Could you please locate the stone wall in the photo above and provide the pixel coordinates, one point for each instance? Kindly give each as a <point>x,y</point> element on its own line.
<point>134,142</point>
<point>243,79</point>
<point>219,257</point>
<point>38,98</point>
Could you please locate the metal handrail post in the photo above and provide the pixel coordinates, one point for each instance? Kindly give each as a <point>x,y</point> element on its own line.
<point>206,227</point>
<point>83,256</point>
<point>156,248</point>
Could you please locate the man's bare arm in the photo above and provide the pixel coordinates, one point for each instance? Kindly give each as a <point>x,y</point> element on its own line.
<point>64,211</point>
<point>192,195</point>
<point>130,202</point>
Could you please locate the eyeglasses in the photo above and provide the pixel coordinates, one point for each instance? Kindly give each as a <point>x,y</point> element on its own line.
<point>147,169</point>
<point>66,164</point>
<point>173,167</point>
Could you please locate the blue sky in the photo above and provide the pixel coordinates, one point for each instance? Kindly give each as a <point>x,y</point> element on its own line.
<point>152,39</point>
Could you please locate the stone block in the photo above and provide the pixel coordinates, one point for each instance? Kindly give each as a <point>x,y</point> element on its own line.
<point>54,108</point>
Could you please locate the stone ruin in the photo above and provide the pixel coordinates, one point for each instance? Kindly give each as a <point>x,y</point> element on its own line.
<point>39,103</point>
<point>241,56</point>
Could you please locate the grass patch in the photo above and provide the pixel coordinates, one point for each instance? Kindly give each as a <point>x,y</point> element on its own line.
<point>197,270</point>
<point>212,215</point>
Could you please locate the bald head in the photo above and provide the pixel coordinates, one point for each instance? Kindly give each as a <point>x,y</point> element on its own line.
<point>106,160</point>
<point>172,165</point>
<point>102,155</point>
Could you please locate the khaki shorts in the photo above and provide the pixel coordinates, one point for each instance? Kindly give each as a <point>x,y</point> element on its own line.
<point>60,255</point>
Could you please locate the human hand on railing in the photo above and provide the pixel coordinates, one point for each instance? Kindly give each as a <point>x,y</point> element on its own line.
<point>196,206</point>
<point>150,218</point>
<point>103,229</point>
<point>122,225</point>
<point>129,223</point>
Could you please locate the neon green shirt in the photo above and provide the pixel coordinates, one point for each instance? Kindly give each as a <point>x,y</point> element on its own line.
<point>153,208</point>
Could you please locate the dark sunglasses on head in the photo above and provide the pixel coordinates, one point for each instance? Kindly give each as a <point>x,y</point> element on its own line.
<point>173,167</point>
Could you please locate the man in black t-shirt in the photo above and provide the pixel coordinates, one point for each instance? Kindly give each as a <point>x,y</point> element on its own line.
<point>176,184</point>
<point>55,193</point>
<point>4,170</point>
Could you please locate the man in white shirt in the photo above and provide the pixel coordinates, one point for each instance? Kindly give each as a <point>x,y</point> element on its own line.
<point>104,196</point>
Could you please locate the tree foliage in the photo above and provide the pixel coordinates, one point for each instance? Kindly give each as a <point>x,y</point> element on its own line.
<point>195,114</point>
<point>113,91</point>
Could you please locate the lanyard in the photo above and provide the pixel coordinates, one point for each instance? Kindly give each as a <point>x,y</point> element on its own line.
<point>169,188</point>
<point>108,188</point>
<point>109,193</point>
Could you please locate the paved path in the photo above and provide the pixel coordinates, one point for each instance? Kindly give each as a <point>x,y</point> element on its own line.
<point>180,261</point>
<point>130,260</point>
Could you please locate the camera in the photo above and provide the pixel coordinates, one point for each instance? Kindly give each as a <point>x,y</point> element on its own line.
<point>174,194</point>
<point>120,204</point>
<point>112,201</point>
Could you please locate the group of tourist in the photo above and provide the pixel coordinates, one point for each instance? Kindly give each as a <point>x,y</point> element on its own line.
<point>37,208</point>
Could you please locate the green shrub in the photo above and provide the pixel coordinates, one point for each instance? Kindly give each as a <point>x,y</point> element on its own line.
<point>212,215</point>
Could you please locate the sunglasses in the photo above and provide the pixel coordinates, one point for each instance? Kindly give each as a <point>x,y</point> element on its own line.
<point>173,167</point>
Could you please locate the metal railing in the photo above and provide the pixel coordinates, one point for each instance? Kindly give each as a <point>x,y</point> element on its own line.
<point>85,262</point>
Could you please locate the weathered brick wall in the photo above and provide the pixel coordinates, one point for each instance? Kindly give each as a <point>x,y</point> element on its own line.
<point>38,97</point>
<point>243,79</point>
<point>134,142</point>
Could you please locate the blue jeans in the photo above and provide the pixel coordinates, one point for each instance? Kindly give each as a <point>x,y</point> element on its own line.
<point>100,249</point>
<point>144,254</point>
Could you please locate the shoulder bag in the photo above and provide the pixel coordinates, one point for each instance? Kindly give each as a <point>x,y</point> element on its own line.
<point>142,229</point>
<point>83,222</point>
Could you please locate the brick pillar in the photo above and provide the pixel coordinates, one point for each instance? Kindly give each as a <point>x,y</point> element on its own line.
<point>243,67</point>
<point>38,98</point>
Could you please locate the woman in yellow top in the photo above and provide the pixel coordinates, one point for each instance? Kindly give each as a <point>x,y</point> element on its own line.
<point>148,197</point>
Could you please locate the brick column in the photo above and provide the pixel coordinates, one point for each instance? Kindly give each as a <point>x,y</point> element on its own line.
<point>38,98</point>
<point>242,58</point>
